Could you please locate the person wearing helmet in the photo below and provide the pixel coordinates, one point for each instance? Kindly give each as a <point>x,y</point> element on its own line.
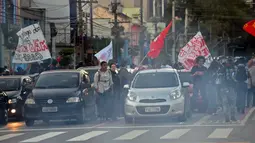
<point>198,72</point>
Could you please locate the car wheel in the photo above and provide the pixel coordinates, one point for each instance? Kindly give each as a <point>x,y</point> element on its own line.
<point>128,120</point>
<point>4,117</point>
<point>81,118</point>
<point>29,123</point>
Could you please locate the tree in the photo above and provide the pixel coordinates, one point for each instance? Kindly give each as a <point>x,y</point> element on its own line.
<point>223,16</point>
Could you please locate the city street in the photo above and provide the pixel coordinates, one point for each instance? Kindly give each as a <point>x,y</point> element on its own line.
<point>199,129</point>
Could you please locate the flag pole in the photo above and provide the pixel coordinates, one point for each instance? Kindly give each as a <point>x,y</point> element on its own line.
<point>142,60</point>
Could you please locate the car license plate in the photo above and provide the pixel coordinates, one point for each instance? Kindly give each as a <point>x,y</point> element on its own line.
<point>152,109</point>
<point>49,109</point>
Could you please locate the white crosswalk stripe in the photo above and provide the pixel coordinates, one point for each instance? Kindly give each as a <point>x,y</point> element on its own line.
<point>220,133</point>
<point>131,135</point>
<point>87,136</point>
<point>8,136</point>
<point>175,134</point>
<point>43,137</point>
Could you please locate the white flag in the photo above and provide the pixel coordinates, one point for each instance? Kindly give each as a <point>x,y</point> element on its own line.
<point>105,54</point>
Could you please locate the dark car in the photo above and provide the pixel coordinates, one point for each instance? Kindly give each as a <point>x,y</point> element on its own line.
<point>60,95</point>
<point>3,108</point>
<point>17,88</point>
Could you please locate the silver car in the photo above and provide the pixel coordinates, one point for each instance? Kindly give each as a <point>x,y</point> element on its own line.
<point>156,93</point>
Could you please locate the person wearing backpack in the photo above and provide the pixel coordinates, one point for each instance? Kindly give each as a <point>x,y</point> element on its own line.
<point>241,77</point>
<point>103,89</point>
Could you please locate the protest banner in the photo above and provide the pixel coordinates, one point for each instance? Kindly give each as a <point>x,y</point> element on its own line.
<point>32,46</point>
<point>194,48</point>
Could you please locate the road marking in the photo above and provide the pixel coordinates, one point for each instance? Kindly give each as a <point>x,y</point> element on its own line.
<point>220,133</point>
<point>8,136</point>
<point>43,137</point>
<point>202,120</point>
<point>245,119</point>
<point>87,136</point>
<point>122,127</point>
<point>175,134</point>
<point>131,135</point>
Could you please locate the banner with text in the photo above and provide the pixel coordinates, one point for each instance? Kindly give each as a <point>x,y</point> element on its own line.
<point>32,46</point>
<point>194,48</point>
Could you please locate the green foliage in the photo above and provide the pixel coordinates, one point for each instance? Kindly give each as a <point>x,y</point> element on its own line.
<point>224,16</point>
<point>66,55</point>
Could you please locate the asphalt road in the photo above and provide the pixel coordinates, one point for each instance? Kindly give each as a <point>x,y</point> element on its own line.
<point>200,128</point>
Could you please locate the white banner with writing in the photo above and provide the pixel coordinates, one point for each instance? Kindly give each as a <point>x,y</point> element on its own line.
<point>105,54</point>
<point>32,46</point>
<point>194,48</point>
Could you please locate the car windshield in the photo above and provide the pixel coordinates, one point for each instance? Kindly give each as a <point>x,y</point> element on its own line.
<point>58,80</point>
<point>156,80</point>
<point>185,77</point>
<point>10,84</point>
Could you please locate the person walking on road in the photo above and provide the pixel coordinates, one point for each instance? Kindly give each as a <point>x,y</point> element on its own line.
<point>116,91</point>
<point>227,91</point>
<point>198,72</point>
<point>251,83</point>
<point>103,89</point>
<point>241,85</point>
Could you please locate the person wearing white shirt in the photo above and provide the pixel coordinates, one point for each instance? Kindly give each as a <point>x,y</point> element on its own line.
<point>103,88</point>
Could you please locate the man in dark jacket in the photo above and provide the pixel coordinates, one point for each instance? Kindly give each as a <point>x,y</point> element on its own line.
<point>198,72</point>
<point>116,90</point>
<point>241,87</point>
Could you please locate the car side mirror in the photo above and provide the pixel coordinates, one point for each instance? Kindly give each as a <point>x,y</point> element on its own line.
<point>185,84</point>
<point>126,86</point>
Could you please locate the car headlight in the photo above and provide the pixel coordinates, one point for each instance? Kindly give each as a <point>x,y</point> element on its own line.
<point>30,101</point>
<point>175,95</point>
<point>12,101</point>
<point>73,100</point>
<point>132,96</point>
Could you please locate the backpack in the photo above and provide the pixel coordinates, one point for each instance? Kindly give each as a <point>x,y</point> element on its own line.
<point>241,73</point>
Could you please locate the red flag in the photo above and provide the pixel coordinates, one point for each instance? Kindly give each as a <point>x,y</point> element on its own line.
<point>158,43</point>
<point>249,27</point>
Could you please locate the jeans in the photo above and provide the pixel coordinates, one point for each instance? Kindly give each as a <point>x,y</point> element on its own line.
<point>104,104</point>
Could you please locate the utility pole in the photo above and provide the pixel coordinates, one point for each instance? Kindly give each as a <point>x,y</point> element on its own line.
<point>186,26</point>
<point>115,8</point>
<point>173,31</point>
<point>141,33</point>
<point>81,30</point>
<point>91,18</point>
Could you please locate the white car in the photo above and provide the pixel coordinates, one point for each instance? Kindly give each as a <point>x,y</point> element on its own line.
<point>157,93</point>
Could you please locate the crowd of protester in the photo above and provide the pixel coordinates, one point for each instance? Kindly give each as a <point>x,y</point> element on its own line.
<point>227,84</point>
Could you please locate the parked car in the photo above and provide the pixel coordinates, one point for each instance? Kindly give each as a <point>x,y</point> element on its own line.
<point>3,108</point>
<point>60,94</point>
<point>157,93</point>
<point>17,89</point>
